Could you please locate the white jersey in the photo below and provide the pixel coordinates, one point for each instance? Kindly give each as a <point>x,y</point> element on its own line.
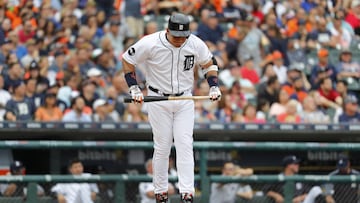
<point>76,192</point>
<point>156,53</point>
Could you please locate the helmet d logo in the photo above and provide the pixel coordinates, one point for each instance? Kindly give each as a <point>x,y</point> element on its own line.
<point>181,27</point>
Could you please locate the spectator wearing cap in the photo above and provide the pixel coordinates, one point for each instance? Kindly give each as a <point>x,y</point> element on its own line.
<point>101,111</point>
<point>347,67</point>
<point>76,114</point>
<point>352,16</point>
<point>7,46</point>
<point>34,72</point>
<point>279,68</point>
<point>95,75</point>
<point>302,192</point>
<point>350,110</point>
<point>322,69</point>
<point>19,107</point>
<point>17,168</point>
<point>4,98</point>
<point>14,75</point>
<point>49,111</point>
<point>328,96</point>
<point>342,192</point>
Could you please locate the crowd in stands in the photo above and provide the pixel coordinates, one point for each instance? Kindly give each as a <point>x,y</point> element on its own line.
<point>280,61</point>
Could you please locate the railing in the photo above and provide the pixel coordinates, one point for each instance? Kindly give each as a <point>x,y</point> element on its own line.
<point>203,147</point>
<point>120,180</point>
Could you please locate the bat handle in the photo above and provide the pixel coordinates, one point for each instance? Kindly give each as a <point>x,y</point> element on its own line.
<point>128,100</point>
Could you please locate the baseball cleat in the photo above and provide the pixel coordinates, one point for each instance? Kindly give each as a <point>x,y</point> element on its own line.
<point>161,197</point>
<point>186,198</point>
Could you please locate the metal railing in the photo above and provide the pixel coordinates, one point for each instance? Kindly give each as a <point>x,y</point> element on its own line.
<point>203,147</point>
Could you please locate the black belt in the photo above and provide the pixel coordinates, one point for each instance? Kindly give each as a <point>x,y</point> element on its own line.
<point>159,92</point>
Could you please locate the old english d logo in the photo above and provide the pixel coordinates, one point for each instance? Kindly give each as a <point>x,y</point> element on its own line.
<point>189,62</point>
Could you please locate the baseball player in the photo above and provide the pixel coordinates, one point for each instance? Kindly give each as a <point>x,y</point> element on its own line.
<point>170,57</point>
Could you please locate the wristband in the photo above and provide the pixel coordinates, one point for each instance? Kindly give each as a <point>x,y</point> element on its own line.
<point>130,79</point>
<point>212,81</point>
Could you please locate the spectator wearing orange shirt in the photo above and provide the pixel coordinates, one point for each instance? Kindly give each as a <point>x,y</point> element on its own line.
<point>49,111</point>
<point>248,70</point>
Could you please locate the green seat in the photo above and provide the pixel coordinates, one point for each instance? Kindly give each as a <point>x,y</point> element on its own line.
<point>46,199</point>
<point>11,200</point>
<point>255,199</point>
<point>176,199</point>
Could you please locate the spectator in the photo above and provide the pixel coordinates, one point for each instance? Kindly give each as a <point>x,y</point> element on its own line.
<point>76,113</point>
<point>17,189</point>
<point>322,70</point>
<point>290,115</point>
<point>311,113</point>
<point>302,192</point>
<point>279,106</point>
<point>49,111</point>
<point>210,31</point>
<point>133,17</point>
<point>342,192</point>
<point>348,67</point>
<point>6,48</point>
<point>236,96</point>
<point>101,111</point>
<point>329,97</point>
<point>146,189</point>
<point>73,192</point>
<point>295,85</point>
<point>4,98</point>
<point>270,91</point>
<point>279,67</point>
<point>342,88</point>
<point>19,107</point>
<point>88,92</point>
<point>350,110</point>
<point>228,192</point>
<point>320,36</point>
<point>248,71</point>
<point>353,16</point>
<point>249,115</point>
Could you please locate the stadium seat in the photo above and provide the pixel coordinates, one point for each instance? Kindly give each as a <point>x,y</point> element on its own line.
<point>255,199</point>
<point>46,199</point>
<point>11,199</point>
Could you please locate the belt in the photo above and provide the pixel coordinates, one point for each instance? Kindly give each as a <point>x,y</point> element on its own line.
<point>159,92</point>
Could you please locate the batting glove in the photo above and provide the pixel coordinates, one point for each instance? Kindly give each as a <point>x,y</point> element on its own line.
<point>136,94</point>
<point>215,93</point>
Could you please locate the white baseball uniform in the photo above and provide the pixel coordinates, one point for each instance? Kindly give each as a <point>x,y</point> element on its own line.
<point>76,192</point>
<point>170,70</point>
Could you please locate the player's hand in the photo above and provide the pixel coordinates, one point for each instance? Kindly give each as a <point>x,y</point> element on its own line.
<point>215,93</point>
<point>136,94</point>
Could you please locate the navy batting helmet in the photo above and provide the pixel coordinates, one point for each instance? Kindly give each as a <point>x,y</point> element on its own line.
<point>179,25</point>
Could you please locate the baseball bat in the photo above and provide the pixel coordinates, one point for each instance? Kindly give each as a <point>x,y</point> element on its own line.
<point>165,98</point>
